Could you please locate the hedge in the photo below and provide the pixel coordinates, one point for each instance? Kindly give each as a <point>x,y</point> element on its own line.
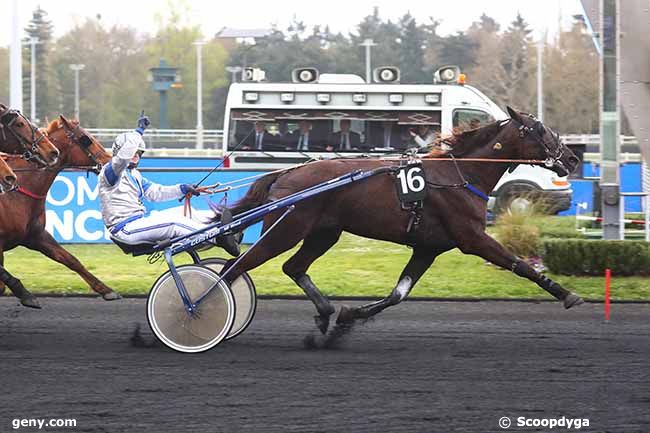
<point>592,257</point>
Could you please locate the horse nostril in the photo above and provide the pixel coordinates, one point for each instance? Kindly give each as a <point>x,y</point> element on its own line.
<point>574,160</point>
<point>10,180</point>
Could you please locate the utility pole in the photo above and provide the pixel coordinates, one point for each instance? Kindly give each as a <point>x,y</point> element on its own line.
<point>234,70</point>
<point>16,79</point>
<point>32,113</point>
<point>368,43</point>
<point>199,94</point>
<point>610,132</point>
<point>76,68</point>
<point>540,80</point>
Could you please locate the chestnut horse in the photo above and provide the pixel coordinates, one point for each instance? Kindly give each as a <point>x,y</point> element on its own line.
<point>452,216</point>
<point>19,136</point>
<point>22,212</point>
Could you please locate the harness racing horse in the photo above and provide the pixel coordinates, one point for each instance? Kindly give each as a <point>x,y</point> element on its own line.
<point>22,212</point>
<point>452,216</point>
<point>19,136</point>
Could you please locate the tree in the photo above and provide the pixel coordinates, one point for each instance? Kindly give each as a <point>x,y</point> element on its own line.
<point>518,58</point>
<point>41,28</point>
<point>411,54</point>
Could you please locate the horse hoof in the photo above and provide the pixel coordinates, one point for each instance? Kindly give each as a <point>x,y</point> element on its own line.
<point>323,323</point>
<point>111,296</point>
<point>31,302</point>
<point>572,300</point>
<point>346,315</point>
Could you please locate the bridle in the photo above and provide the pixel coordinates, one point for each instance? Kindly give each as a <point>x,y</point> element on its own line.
<point>8,118</point>
<point>78,136</point>
<point>554,153</point>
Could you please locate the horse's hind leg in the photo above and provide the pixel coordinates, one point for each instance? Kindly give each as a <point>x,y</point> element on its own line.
<point>46,244</point>
<point>16,286</point>
<point>420,261</point>
<point>314,246</point>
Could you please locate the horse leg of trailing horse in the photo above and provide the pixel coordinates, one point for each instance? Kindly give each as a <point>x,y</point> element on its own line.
<point>46,244</point>
<point>314,246</point>
<point>420,261</point>
<point>486,247</point>
<point>17,288</point>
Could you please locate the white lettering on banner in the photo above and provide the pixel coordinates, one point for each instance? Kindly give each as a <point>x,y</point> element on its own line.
<point>80,225</point>
<point>63,227</point>
<point>68,196</point>
<point>84,191</point>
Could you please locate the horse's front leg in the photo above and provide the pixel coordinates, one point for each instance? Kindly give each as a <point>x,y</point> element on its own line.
<point>483,245</point>
<point>46,244</point>
<point>420,261</point>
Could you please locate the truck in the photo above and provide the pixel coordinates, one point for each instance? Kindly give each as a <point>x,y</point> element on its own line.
<point>382,115</point>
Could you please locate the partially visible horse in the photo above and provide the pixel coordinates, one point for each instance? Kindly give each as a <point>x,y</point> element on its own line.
<point>453,214</point>
<point>19,136</point>
<point>22,212</point>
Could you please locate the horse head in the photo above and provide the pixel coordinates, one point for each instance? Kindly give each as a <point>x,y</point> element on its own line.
<point>537,141</point>
<point>19,136</point>
<point>8,180</point>
<point>78,147</point>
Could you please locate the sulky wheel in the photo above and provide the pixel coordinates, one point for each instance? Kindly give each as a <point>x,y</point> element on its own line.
<point>243,290</point>
<point>174,326</point>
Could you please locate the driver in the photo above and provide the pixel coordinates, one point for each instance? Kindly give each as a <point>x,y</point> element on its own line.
<point>122,189</point>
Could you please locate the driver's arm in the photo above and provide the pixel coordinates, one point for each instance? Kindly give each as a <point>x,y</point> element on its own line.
<point>112,171</point>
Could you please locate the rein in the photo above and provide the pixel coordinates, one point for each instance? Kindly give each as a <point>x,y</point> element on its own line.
<point>30,194</point>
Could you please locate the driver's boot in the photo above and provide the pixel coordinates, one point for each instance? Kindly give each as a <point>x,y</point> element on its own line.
<point>229,242</point>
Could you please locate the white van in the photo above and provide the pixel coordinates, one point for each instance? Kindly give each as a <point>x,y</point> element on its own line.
<point>380,115</point>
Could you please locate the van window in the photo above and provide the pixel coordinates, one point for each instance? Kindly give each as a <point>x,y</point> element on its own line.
<point>470,119</point>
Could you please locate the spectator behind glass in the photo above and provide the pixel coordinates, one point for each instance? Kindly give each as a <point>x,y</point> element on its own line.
<point>260,138</point>
<point>345,139</point>
<point>424,137</point>
<point>303,139</point>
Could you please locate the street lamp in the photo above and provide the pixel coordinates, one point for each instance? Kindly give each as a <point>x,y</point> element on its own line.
<point>199,94</point>
<point>234,70</point>
<point>33,42</point>
<point>540,80</point>
<point>368,43</point>
<point>76,68</point>
<point>16,74</point>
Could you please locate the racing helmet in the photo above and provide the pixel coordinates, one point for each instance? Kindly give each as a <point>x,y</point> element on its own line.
<point>127,137</point>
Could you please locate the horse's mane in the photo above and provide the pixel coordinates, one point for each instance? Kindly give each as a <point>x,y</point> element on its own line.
<point>463,140</point>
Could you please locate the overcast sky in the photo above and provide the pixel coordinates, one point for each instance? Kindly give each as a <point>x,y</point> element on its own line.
<point>341,15</point>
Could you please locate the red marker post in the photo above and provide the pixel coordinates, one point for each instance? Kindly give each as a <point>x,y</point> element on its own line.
<point>608,278</point>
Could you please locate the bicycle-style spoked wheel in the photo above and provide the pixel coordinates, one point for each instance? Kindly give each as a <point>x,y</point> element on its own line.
<point>243,291</point>
<point>174,326</point>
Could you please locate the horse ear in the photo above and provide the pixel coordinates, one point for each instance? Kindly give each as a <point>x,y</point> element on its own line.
<point>513,114</point>
<point>65,121</point>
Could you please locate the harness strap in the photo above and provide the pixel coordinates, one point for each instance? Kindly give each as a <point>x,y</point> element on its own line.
<point>30,194</point>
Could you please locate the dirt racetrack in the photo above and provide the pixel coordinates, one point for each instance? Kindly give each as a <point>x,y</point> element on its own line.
<point>419,367</point>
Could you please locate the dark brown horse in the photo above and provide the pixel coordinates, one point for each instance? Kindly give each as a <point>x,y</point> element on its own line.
<point>19,137</point>
<point>22,212</point>
<point>452,216</point>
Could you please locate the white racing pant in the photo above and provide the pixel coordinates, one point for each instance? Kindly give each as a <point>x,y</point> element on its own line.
<point>159,226</point>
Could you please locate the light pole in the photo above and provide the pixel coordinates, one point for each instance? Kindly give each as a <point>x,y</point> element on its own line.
<point>234,70</point>
<point>540,80</point>
<point>76,68</point>
<point>199,94</point>
<point>368,43</point>
<point>16,75</point>
<point>33,41</point>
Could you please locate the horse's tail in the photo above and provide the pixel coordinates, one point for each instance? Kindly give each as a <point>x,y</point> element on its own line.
<point>256,195</point>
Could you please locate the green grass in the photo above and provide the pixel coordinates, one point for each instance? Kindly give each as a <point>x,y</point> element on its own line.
<point>355,266</point>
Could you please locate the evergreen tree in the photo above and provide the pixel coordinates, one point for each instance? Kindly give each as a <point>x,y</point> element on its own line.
<point>411,54</point>
<point>40,28</point>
